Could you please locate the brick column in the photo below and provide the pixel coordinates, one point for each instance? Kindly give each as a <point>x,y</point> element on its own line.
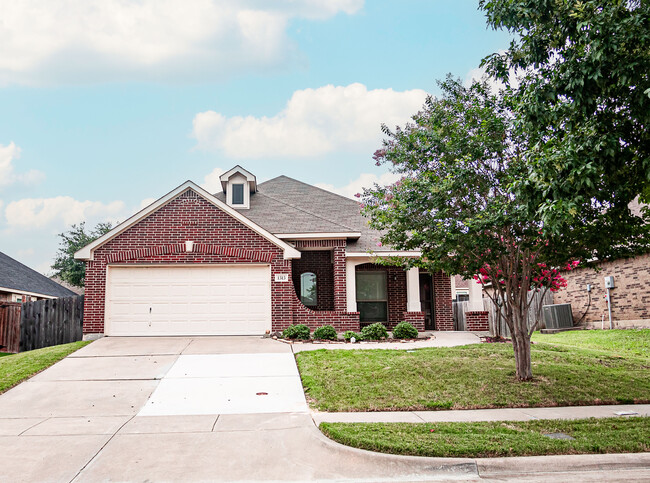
<point>340,296</point>
<point>476,321</point>
<point>442,301</point>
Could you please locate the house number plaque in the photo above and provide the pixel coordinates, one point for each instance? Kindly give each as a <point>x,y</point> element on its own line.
<point>281,277</point>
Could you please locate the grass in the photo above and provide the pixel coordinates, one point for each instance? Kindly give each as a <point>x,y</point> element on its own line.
<point>470,377</point>
<point>626,343</point>
<point>494,439</point>
<point>15,368</point>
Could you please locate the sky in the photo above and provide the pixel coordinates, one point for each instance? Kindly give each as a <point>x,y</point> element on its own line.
<point>108,105</point>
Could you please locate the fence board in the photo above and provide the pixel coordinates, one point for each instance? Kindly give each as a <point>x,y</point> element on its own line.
<point>498,326</point>
<point>9,326</point>
<point>51,322</point>
<point>459,309</point>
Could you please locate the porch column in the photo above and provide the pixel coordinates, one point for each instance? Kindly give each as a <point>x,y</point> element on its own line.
<point>351,285</point>
<point>340,290</point>
<point>413,290</point>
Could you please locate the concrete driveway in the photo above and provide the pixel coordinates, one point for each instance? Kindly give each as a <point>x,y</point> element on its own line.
<point>206,409</point>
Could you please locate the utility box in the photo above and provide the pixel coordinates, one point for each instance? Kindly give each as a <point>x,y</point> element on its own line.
<point>558,316</point>
<point>609,282</point>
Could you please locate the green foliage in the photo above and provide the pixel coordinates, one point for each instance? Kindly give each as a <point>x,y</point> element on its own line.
<point>298,331</point>
<point>404,330</point>
<point>348,334</point>
<point>65,266</point>
<point>326,332</point>
<point>584,97</point>
<point>376,331</point>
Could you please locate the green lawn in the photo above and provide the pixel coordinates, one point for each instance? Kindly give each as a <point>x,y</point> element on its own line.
<point>15,368</point>
<point>626,343</point>
<point>609,435</point>
<point>470,377</point>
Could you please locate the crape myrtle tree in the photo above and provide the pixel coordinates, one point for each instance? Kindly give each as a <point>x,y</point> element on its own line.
<point>462,164</point>
<point>65,266</point>
<point>583,95</point>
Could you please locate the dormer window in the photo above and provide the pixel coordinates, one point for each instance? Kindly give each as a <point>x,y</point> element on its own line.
<point>238,194</point>
<point>238,186</point>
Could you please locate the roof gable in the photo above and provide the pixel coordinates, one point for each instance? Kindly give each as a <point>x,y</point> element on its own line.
<point>86,253</point>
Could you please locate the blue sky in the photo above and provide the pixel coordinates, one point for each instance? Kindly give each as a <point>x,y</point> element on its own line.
<point>105,108</point>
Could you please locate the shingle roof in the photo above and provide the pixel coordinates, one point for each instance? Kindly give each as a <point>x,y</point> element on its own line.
<point>16,276</point>
<point>286,205</point>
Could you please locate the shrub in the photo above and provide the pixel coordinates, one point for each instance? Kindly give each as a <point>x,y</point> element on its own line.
<point>326,332</point>
<point>375,331</point>
<point>348,334</point>
<point>404,330</point>
<point>299,331</point>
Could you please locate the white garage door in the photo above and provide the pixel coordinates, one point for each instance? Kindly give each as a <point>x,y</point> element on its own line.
<point>206,300</point>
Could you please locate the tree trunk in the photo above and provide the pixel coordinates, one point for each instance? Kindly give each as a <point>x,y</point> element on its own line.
<point>521,346</point>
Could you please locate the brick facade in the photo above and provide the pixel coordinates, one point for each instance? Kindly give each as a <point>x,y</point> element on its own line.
<point>444,316</point>
<point>477,321</point>
<point>416,319</point>
<point>630,297</point>
<point>159,239</point>
<point>320,263</point>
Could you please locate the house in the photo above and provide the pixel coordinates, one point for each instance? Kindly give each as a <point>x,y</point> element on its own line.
<point>19,283</point>
<point>630,296</point>
<point>250,259</point>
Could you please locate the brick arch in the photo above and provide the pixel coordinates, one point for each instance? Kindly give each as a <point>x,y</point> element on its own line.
<point>204,248</point>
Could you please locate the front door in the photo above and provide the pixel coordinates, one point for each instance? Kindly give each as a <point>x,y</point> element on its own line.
<point>426,300</point>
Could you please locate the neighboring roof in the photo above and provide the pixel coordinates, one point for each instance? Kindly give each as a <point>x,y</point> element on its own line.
<point>20,278</point>
<point>86,253</point>
<point>461,282</point>
<point>286,205</point>
<point>63,283</point>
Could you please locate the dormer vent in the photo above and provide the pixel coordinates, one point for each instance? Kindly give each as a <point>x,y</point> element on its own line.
<point>238,185</point>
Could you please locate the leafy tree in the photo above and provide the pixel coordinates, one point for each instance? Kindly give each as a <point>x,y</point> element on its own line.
<point>65,266</point>
<point>461,203</point>
<point>584,97</point>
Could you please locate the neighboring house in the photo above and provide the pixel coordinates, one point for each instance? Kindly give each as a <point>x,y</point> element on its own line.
<point>19,283</point>
<point>460,288</point>
<point>630,295</point>
<point>251,259</point>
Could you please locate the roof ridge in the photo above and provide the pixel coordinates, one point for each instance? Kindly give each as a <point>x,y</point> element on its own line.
<point>304,210</point>
<point>311,186</point>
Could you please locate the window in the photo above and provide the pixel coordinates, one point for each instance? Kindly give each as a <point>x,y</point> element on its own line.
<point>462,297</point>
<point>372,301</point>
<point>237,194</point>
<point>308,295</point>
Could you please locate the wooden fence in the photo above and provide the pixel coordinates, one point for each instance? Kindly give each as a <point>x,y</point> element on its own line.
<point>498,326</point>
<point>459,309</point>
<point>44,323</point>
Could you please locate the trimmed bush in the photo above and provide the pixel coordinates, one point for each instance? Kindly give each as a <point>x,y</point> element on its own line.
<point>326,332</point>
<point>348,334</point>
<point>404,330</point>
<point>374,331</point>
<point>299,331</point>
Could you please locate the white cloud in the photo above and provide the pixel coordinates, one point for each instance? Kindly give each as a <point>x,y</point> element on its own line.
<point>8,154</point>
<point>365,180</point>
<point>60,211</point>
<point>211,182</point>
<point>146,202</point>
<point>480,73</point>
<point>103,40</point>
<point>314,122</point>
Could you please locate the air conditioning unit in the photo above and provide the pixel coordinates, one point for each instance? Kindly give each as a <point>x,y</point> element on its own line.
<point>558,316</point>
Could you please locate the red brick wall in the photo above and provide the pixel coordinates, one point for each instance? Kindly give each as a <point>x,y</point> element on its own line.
<point>630,297</point>
<point>320,263</point>
<point>442,301</point>
<point>218,238</point>
<point>476,321</point>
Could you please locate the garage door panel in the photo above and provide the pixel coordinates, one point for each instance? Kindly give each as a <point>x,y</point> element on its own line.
<point>215,300</point>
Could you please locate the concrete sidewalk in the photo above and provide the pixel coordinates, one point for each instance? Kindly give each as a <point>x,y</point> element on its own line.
<point>468,415</point>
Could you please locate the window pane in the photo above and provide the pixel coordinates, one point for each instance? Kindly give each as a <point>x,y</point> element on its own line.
<point>373,311</point>
<point>308,295</point>
<point>371,286</point>
<point>238,194</point>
